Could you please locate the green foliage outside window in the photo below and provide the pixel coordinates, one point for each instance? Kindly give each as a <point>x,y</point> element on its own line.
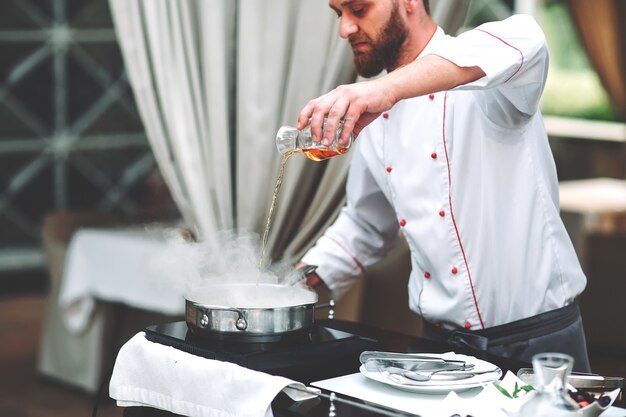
<point>573,88</point>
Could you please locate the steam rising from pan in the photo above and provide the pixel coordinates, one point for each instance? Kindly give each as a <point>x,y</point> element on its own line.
<point>252,296</point>
<point>227,257</point>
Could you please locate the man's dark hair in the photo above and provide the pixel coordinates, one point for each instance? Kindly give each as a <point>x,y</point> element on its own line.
<point>426,6</point>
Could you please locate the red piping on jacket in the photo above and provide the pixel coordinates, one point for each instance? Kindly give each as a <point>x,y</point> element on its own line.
<point>356,261</point>
<point>458,236</point>
<point>509,45</point>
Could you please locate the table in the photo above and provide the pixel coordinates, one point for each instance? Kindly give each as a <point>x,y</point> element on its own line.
<point>594,213</point>
<point>593,206</point>
<point>143,280</point>
<point>282,406</point>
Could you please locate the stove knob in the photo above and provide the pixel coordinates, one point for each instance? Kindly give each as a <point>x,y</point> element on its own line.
<point>204,320</point>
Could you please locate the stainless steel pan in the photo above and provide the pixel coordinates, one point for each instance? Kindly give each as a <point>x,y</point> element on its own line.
<point>249,312</point>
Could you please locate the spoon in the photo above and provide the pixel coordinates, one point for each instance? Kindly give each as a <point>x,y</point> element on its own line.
<point>299,275</point>
<point>446,375</point>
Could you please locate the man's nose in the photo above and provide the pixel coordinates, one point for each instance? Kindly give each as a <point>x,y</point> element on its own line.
<point>347,27</point>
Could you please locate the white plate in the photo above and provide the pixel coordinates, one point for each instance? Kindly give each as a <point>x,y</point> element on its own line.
<point>443,386</point>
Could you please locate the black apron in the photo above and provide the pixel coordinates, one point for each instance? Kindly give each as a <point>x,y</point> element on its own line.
<point>559,330</point>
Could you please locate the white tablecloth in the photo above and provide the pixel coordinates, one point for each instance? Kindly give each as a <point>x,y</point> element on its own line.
<point>117,265</point>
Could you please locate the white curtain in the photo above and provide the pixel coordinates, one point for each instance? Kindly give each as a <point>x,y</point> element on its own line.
<point>213,80</point>
<point>288,52</point>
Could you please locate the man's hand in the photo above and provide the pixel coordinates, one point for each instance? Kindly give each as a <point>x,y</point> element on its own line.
<point>356,104</point>
<point>311,279</point>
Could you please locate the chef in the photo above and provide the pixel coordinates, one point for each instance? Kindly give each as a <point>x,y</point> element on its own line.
<point>452,153</point>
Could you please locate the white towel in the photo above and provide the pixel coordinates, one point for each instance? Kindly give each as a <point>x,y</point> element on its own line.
<point>158,376</point>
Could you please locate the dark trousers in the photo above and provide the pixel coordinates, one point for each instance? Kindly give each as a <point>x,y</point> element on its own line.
<point>559,330</point>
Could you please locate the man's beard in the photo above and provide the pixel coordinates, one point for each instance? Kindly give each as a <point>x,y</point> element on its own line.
<point>385,50</point>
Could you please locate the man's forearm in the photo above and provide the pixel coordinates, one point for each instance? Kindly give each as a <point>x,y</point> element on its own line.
<point>426,75</point>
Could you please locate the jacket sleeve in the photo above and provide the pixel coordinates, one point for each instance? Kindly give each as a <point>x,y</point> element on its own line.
<point>514,56</point>
<point>365,230</point>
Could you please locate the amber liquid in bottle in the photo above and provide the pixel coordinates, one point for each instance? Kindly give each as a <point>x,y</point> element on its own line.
<point>290,140</point>
<point>319,154</point>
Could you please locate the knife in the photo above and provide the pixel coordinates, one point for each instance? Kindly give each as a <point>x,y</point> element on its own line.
<point>414,365</point>
<point>372,354</point>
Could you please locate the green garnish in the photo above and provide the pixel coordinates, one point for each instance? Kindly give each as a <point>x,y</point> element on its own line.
<point>516,390</point>
<point>503,390</point>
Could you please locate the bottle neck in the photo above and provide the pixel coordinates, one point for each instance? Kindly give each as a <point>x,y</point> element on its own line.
<point>287,139</point>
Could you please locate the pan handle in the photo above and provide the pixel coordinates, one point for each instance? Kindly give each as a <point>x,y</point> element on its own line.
<point>241,323</point>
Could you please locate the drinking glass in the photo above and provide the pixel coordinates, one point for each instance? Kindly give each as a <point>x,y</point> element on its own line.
<point>550,398</point>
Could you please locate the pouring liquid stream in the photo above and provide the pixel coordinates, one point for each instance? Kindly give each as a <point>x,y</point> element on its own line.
<point>268,222</point>
<point>314,155</point>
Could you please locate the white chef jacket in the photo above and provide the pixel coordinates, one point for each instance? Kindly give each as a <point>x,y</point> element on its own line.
<point>468,177</point>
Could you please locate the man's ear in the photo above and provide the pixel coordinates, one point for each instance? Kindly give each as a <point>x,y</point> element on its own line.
<point>411,5</point>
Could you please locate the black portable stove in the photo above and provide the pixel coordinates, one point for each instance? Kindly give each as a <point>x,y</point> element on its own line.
<point>308,355</point>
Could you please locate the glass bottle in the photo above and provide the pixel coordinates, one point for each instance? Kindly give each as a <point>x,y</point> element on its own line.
<point>290,140</point>
<point>550,398</point>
